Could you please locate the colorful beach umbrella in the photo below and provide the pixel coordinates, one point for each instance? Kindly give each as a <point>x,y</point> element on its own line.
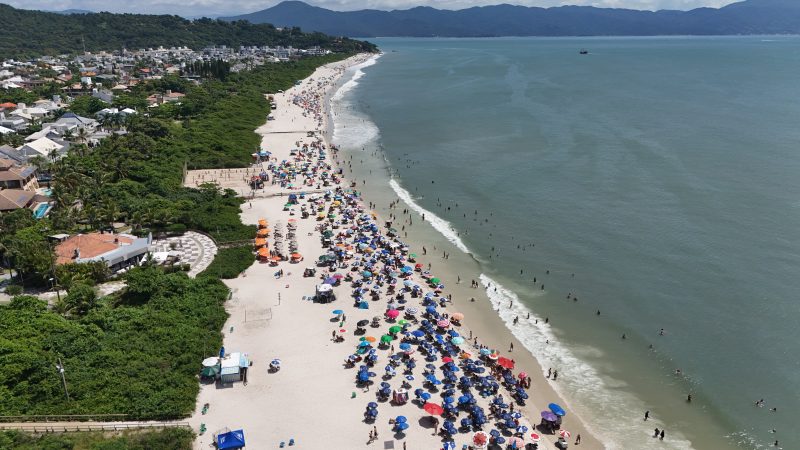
<point>386,338</point>
<point>564,434</point>
<point>457,316</point>
<point>392,313</point>
<point>505,362</point>
<point>395,329</point>
<point>535,437</point>
<point>433,409</point>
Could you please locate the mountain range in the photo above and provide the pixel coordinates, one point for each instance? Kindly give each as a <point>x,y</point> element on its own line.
<point>746,17</point>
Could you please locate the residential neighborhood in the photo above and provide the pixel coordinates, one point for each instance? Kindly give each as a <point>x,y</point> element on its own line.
<point>57,89</point>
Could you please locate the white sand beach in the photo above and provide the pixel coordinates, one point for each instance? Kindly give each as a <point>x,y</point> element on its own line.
<point>313,398</point>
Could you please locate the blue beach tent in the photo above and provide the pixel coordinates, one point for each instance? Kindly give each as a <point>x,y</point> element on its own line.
<point>230,440</point>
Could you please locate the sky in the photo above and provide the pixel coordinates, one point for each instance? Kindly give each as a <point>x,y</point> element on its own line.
<point>213,8</point>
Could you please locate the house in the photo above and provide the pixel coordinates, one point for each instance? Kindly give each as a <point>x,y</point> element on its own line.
<point>42,147</point>
<point>15,123</point>
<point>4,130</point>
<point>73,122</point>
<point>118,251</point>
<point>14,199</point>
<point>7,151</point>
<point>47,132</point>
<point>17,177</point>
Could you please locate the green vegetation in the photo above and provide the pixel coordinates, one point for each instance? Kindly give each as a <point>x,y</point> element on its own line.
<point>166,439</point>
<point>34,33</point>
<point>230,262</point>
<point>136,353</point>
<point>137,178</point>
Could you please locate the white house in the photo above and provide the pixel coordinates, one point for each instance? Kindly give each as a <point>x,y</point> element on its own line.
<point>42,147</point>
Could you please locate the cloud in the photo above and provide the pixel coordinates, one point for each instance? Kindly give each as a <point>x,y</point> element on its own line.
<point>211,8</point>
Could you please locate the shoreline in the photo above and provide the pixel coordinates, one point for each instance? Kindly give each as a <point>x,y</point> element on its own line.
<point>486,321</point>
<point>291,329</point>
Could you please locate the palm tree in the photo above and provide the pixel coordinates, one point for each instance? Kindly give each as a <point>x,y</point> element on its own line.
<point>82,135</point>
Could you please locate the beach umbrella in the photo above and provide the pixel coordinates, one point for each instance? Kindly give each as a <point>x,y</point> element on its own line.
<point>372,405</point>
<point>336,312</point>
<point>402,321</point>
<point>557,410</point>
<point>405,346</point>
<point>210,371</point>
<point>425,396</point>
<point>369,338</point>
<point>412,311</point>
<point>392,313</point>
<point>515,442</point>
<point>564,434</point>
<point>435,281</point>
<point>211,361</point>
<point>522,376</point>
<point>418,333</point>
<point>480,439</point>
<point>444,323</point>
<point>395,329</point>
<point>362,323</point>
<point>458,340</point>
<point>505,362</point>
<point>401,426</point>
<point>433,409</point>
<point>485,351</point>
<point>535,437</point>
<point>386,338</point>
<point>400,419</point>
<point>549,416</point>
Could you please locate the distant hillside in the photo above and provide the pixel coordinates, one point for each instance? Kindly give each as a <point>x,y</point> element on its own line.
<point>28,33</point>
<point>73,11</point>
<point>747,17</point>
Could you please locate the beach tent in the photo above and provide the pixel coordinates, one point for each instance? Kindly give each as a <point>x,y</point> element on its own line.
<point>230,440</point>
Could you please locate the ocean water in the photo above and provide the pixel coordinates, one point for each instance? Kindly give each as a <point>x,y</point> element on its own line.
<point>656,179</point>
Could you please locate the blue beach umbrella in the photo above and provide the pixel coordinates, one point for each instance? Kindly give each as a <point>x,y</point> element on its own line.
<point>400,419</point>
<point>557,410</point>
<point>401,426</point>
<point>336,312</point>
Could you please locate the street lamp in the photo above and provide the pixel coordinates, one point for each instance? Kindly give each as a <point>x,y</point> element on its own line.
<point>60,368</point>
<point>53,286</point>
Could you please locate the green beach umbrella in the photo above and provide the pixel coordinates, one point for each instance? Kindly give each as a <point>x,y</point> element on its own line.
<point>413,255</point>
<point>210,371</point>
<point>435,281</point>
<point>402,321</point>
<point>386,338</point>
<point>395,329</point>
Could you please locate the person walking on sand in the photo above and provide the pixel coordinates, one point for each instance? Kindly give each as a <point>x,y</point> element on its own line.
<point>549,372</point>
<point>661,436</point>
<point>655,433</point>
<point>511,347</point>
<point>555,375</point>
<point>646,415</point>
<point>578,439</point>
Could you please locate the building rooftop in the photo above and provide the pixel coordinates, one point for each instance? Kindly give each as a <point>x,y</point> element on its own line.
<point>89,246</point>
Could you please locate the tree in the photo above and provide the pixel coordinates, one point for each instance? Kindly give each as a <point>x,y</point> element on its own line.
<point>80,299</point>
<point>30,253</point>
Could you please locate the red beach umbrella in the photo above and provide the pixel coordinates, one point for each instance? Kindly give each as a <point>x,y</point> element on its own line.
<point>433,409</point>
<point>535,437</point>
<point>564,434</point>
<point>505,362</point>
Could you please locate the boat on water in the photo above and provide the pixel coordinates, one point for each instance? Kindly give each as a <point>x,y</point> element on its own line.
<point>584,51</point>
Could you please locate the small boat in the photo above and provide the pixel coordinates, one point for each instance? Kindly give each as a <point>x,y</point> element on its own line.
<point>584,51</point>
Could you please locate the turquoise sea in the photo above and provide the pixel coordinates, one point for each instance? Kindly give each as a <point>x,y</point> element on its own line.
<point>656,179</point>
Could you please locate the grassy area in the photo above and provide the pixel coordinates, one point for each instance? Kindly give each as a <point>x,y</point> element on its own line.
<point>166,439</point>
<point>230,262</point>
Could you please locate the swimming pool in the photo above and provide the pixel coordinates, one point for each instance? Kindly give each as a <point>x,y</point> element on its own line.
<point>41,210</point>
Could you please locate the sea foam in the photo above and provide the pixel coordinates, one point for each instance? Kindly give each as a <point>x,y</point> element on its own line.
<point>614,415</point>
<point>442,226</point>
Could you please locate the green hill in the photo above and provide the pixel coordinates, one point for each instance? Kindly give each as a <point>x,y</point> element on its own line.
<point>28,33</point>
